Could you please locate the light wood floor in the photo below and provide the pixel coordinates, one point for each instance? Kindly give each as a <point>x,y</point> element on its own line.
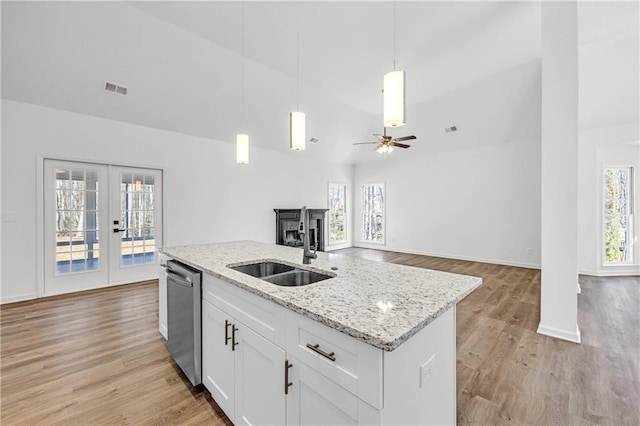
<point>98,358</point>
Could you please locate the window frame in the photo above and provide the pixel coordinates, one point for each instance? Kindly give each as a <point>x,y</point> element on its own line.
<point>384,213</point>
<point>631,217</point>
<point>345,238</point>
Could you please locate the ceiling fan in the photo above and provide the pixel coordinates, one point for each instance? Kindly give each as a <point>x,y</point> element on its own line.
<point>386,143</point>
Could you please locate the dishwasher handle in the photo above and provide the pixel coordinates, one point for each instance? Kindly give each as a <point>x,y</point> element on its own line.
<point>178,279</point>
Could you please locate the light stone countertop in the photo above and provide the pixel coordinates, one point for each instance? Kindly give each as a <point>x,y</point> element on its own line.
<point>381,303</point>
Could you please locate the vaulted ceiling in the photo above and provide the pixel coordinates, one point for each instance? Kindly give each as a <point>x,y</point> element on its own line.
<point>182,61</point>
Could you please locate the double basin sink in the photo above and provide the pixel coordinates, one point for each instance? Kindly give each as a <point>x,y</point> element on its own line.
<point>281,274</point>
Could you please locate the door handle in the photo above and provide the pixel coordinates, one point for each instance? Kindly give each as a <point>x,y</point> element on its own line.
<point>226,332</point>
<point>233,337</point>
<point>287,383</point>
<point>116,230</point>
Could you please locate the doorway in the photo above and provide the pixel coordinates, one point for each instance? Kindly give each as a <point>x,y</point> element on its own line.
<point>102,224</point>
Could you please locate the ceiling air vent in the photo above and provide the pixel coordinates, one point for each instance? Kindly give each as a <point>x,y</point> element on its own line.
<point>450,129</point>
<point>114,88</point>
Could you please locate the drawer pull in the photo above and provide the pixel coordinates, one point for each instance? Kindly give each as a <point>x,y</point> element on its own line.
<point>316,349</point>
<point>287,383</point>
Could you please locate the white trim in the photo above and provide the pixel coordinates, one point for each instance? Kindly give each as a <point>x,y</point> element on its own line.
<point>579,289</point>
<point>560,334</point>
<point>337,246</point>
<point>612,273</point>
<point>164,332</point>
<point>454,257</point>
<point>18,298</point>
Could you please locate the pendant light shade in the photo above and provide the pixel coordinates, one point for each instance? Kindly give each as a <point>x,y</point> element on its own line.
<point>393,94</point>
<point>242,149</point>
<point>297,130</point>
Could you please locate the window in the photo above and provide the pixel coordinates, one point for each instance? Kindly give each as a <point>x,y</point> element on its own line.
<point>618,215</point>
<point>337,213</point>
<point>373,212</point>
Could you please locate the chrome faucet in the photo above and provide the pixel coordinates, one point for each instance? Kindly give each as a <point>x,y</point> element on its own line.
<point>307,255</point>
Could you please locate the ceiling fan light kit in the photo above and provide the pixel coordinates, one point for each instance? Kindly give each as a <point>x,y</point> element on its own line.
<point>393,94</point>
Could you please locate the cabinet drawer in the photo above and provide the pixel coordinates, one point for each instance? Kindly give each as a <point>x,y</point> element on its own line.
<point>350,363</point>
<point>261,315</point>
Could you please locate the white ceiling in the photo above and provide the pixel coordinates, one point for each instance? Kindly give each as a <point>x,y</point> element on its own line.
<point>182,61</point>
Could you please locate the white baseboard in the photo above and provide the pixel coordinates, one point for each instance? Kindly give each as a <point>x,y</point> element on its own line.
<point>337,247</point>
<point>560,334</point>
<point>454,257</point>
<point>609,273</point>
<point>164,332</point>
<point>18,298</point>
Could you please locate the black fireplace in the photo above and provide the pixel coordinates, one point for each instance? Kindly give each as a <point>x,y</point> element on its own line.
<point>288,224</point>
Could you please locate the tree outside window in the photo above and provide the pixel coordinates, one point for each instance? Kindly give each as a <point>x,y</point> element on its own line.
<point>337,213</point>
<point>373,207</point>
<point>617,215</point>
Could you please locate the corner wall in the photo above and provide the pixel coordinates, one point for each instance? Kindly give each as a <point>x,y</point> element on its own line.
<point>473,194</point>
<point>207,196</point>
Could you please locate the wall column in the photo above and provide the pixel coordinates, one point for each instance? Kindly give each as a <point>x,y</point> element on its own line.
<point>559,187</point>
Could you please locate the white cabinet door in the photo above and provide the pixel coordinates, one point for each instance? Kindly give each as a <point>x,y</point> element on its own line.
<point>315,400</point>
<point>218,363</point>
<point>260,375</point>
<point>162,295</point>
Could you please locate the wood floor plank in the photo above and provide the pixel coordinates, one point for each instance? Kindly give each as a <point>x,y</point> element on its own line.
<point>97,357</point>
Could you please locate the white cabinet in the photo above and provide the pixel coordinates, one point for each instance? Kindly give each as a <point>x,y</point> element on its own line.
<point>244,372</point>
<point>162,295</point>
<point>250,342</point>
<point>218,360</point>
<point>314,399</point>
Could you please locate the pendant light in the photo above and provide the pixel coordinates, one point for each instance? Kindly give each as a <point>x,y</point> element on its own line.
<point>242,139</point>
<point>297,136</point>
<point>394,89</point>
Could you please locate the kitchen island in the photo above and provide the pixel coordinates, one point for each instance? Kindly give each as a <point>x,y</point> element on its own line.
<point>373,344</point>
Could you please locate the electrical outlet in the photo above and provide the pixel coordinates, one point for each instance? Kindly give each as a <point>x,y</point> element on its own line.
<point>426,370</point>
<point>529,251</point>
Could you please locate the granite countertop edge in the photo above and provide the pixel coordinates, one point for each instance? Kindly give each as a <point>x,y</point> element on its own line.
<point>384,344</point>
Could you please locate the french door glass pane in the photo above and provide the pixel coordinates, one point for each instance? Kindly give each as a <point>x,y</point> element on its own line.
<point>137,215</point>
<point>76,212</point>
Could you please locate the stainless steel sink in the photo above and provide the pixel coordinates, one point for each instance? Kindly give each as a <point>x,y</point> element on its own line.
<point>263,269</point>
<point>281,274</point>
<point>295,278</point>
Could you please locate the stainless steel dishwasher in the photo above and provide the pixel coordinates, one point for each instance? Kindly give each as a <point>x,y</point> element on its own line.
<point>184,318</point>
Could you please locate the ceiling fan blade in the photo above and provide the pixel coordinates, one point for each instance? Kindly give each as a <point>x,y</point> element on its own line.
<point>404,138</point>
<point>364,143</point>
<point>399,145</point>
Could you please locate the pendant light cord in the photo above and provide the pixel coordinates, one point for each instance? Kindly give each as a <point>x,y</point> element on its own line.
<point>243,72</point>
<point>394,35</point>
<point>298,57</point>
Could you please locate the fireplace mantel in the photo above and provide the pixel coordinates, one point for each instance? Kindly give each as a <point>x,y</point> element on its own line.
<point>288,223</point>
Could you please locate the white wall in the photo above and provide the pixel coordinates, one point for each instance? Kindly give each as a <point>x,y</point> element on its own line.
<point>601,147</point>
<point>609,65</point>
<point>207,196</point>
<point>473,194</point>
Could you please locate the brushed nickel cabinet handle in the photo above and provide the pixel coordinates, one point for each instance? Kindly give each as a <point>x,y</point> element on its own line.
<point>233,337</point>
<point>316,349</point>
<point>226,332</point>
<point>287,383</point>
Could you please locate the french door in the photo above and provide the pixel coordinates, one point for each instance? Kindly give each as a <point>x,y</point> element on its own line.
<point>102,225</point>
